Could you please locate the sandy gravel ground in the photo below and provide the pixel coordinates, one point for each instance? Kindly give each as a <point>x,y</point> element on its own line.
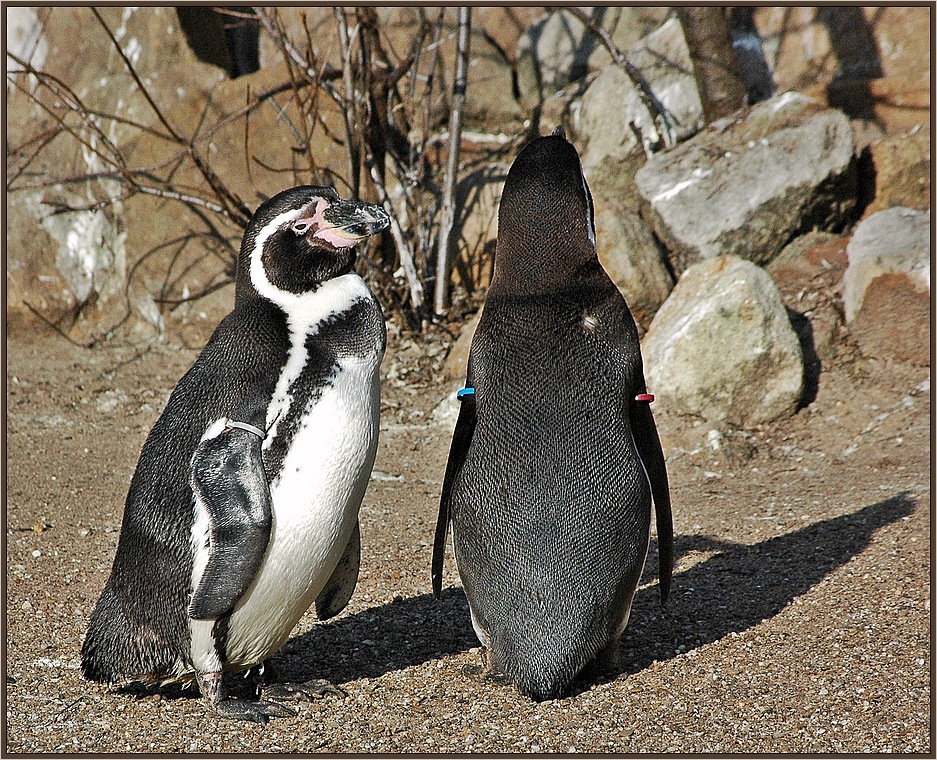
<point>799,619</point>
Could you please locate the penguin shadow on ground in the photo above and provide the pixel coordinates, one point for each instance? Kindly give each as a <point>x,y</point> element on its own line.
<point>741,585</point>
<point>813,366</point>
<point>736,588</point>
<point>367,644</point>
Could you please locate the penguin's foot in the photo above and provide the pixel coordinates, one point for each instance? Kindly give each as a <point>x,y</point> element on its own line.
<point>245,709</point>
<point>496,677</point>
<point>308,690</point>
<point>485,670</point>
<point>487,674</point>
<point>258,711</point>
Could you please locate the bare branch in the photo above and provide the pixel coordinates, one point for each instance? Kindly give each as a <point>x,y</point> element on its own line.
<point>452,170</point>
<point>655,108</point>
<point>42,141</point>
<point>232,205</point>
<point>350,111</point>
<point>192,200</point>
<point>403,247</point>
<point>76,106</point>
<point>321,78</point>
<point>136,78</point>
<point>720,86</point>
<point>58,330</point>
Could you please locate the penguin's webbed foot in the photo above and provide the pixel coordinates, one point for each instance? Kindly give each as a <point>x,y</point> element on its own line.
<point>309,690</point>
<point>258,711</point>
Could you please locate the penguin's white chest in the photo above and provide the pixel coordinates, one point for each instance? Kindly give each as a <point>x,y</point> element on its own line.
<point>315,498</point>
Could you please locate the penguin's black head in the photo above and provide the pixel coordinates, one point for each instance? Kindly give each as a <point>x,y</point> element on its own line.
<point>546,221</point>
<point>302,237</point>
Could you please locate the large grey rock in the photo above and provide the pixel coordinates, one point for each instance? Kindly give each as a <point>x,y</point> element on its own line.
<point>722,348</point>
<point>896,240</point>
<point>633,260</point>
<point>749,187</point>
<point>612,101</point>
<point>886,286</point>
<point>558,48</point>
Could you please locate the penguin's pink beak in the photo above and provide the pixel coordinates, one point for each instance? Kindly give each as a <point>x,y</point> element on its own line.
<point>341,223</point>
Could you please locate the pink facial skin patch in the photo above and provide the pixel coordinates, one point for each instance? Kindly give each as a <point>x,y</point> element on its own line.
<point>340,223</point>
<point>325,230</point>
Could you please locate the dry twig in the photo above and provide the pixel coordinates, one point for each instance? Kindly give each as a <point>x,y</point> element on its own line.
<point>455,138</point>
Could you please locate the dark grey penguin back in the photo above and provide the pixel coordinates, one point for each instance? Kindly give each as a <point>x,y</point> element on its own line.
<point>546,492</point>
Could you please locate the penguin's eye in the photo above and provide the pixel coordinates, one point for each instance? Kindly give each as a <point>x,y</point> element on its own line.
<point>301,226</point>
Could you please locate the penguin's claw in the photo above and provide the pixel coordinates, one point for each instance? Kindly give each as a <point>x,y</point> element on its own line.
<point>478,671</point>
<point>309,690</point>
<point>258,712</point>
<point>485,670</point>
<point>498,678</point>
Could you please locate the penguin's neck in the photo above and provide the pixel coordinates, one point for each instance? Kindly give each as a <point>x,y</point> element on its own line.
<point>531,273</point>
<point>305,312</point>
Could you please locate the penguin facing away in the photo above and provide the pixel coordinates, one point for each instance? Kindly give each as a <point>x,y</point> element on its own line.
<point>555,456</point>
<point>243,508</point>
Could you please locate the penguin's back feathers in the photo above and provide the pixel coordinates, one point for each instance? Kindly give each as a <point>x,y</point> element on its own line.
<point>546,491</point>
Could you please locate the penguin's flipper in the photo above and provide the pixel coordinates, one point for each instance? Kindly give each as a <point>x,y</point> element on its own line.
<point>461,438</point>
<point>341,584</point>
<point>229,481</point>
<point>649,448</point>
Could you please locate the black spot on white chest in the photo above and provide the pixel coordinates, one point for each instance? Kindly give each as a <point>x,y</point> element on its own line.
<point>313,369</point>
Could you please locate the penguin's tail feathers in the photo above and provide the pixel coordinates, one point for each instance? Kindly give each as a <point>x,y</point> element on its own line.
<point>117,650</point>
<point>539,688</point>
<point>543,669</point>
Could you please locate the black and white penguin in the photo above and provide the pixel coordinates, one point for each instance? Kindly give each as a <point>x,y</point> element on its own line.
<point>243,508</point>
<point>555,456</point>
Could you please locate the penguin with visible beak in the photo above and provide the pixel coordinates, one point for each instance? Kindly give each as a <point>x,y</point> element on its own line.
<point>243,508</point>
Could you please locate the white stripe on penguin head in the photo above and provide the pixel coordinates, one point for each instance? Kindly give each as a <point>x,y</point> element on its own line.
<point>303,310</point>
<point>259,278</point>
